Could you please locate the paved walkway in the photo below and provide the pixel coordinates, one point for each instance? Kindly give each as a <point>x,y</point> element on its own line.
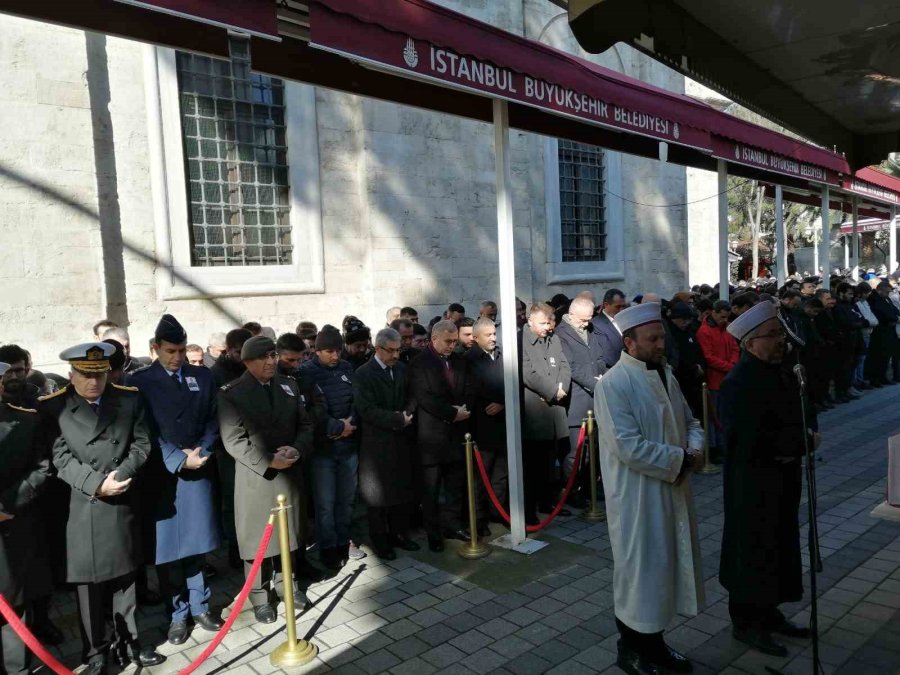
<point>552,612</point>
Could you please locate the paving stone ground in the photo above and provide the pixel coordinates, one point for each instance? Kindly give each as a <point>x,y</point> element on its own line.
<point>423,614</point>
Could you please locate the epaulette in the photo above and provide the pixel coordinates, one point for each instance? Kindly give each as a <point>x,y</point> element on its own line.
<point>140,370</point>
<point>226,387</point>
<point>124,387</point>
<point>25,410</point>
<point>56,393</point>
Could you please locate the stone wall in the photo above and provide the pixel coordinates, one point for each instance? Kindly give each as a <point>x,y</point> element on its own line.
<point>407,198</point>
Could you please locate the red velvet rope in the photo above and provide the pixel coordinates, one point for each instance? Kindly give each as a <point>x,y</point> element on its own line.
<point>562,500</point>
<point>30,641</point>
<point>238,603</point>
<point>50,661</point>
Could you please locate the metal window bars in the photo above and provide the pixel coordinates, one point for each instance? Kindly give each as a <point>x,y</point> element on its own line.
<point>582,202</point>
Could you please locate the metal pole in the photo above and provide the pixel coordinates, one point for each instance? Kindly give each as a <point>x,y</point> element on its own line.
<point>474,549</point>
<point>507,255</point>
<point>708,467</point>
<point>596,512</point>
<point>780,238</point>
<point>846,241</point>
<point>855,238</point>
<point>724,267</point>
<point>294,652</point>
<point>825,244</point>
<point>892,254</point>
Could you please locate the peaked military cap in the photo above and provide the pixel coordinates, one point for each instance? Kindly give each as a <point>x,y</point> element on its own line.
<point>89,357</point>
<point>3,367</point>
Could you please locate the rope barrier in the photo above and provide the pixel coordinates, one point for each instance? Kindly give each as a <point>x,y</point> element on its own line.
<point>30,640</point>
<point>485,479</point>
<point>53,664</point>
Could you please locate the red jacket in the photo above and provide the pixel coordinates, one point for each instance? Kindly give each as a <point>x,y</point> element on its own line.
<point>721,352</point>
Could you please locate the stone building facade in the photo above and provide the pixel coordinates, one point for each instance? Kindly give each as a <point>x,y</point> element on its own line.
<point>383,205</point>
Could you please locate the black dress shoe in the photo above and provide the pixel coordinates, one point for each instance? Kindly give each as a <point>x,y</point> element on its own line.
<point>790,629</point>
<point>531,519</point>
<point>404,542</point>
<point>760,641</point>
<point>48,634</point>
<point>306,570</point>
<point>210,572</point>
<point>435,543</point>
<point>178,633</point>
<point>634,664</point>
<point>484,531</point>
<point>265,614</point>
<point>95,667</point>
<point>148,657</point>
<point>148,598</point>
<point>461,535</point>
<point>120,655</point>
<point>674,661</point>
<point>385,553</point>
<point>331,558</point>
<point>209,621</point>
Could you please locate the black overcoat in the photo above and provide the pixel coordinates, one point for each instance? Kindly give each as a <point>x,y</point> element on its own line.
<point>253,427</point>
<point>439,439</point>
<point>102,533</point>
<point>486,387</point>
<point>587,363</point>
<point>760,410</point>
<point>24,472</point>
<point>387,459</point>
<point>544,368</point>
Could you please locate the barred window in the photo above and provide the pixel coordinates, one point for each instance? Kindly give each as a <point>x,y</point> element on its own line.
<point>233,130</point>
<point>582,204</point>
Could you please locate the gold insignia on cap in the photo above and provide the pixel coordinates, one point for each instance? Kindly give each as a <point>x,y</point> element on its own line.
<point>95,354</point>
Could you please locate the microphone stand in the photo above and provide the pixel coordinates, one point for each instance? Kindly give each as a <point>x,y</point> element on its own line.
<point>815,560</point>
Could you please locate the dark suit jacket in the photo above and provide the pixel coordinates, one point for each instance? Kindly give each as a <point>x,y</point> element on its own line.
<point>610,339</point>
<point>586,359</point>
<point>440,439</point>
<point>102,533</point>
<point>386,451</point>
<point>253,428</point>
<point>486,386</point>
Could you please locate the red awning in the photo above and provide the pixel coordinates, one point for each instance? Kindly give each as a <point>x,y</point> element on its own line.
<point>835,204</point>
<point>255,17</point>
<point>874,184</point>
<point>421,40</point>
<point>866,225</point>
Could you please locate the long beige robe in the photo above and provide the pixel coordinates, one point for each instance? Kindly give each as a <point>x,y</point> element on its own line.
<point>642,431</point>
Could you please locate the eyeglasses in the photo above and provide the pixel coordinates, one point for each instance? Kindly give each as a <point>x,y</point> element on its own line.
<point>390,350</point>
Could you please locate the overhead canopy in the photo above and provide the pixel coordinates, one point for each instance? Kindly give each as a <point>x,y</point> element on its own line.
<point>866,225</point>
<point>828,70</point>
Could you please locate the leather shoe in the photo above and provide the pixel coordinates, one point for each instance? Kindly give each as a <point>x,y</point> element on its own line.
<point>791,629</point>
<point>120,655</point>
<point>461,535</point>
<point>210,572</point>
<point>634,664</point>
<point>209,621</point>
<point>404,542</point>
<point>760,641</point>
<point>306,570</point>
<point>386,553</point>
<point>435,543</point>
<point>95,667</point>
<point>48,634</point>
<point>148,657</point>
<point>178,633</point>
<point>484,531</point>
<point>265,614</point>
<point>531,519</point>
<point>674,661</point>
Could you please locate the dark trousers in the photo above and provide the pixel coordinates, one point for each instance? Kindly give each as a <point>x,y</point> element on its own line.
<point>387,521</point>
<point>16,656</point>
<point>538,461</point>
<point>497,468</point>
<point>262,592</point>
<point>648,645</point>
<point>225,468</point>
<point>96,602</point>
<point>451,476</point>
<point>184,588</point>
<point>754,616</point>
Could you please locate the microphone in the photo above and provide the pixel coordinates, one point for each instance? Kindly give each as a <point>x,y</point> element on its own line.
<point>800,372</point>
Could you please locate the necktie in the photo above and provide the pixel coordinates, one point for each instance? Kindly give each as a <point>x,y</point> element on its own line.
<point>95,407</point>
<point>268,387</point>
<point>391,372</point>
<point>177,377</point>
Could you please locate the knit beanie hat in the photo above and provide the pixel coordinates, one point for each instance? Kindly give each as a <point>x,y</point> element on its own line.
<point>329,338</point>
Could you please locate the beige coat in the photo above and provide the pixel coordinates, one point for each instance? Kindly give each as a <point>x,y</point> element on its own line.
<point>642,431</point>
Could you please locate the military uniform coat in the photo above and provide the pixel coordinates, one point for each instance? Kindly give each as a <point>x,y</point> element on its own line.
<point>253,427</point>
<point>183,416</point>
<point>102,533</point>
<point>387,449</point>
<point>544,368</point>
<point>760,410</point>
<point>24,472</point>
<point>435,389</point>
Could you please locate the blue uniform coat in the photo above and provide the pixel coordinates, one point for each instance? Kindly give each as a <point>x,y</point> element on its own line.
<point>183,416</point>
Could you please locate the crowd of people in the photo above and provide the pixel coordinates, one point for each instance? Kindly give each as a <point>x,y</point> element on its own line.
<point>126,462</point>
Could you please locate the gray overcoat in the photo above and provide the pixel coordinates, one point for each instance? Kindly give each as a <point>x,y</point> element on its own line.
<point>544,368</point>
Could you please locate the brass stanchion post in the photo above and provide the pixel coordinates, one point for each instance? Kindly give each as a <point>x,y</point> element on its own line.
<point>294,652</point>
<point>596,512</point>
<point>708,467</point>
<point>474,549</point>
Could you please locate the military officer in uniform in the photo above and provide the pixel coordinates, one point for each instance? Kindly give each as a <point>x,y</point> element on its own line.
<point>24,574</point>
<point>266,427</point>
<point>182,400</point>
<point>102,443</point>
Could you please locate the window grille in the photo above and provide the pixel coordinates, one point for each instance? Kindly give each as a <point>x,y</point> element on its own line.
<point>233,128</point>
<point>582,202</point>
